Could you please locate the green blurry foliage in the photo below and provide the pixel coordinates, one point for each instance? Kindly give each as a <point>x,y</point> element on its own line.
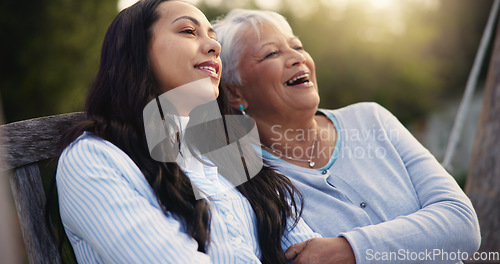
<point>50,51</point>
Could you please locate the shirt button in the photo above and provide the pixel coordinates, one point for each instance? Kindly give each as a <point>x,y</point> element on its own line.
<point>229,217</point>
<point>362,205</point>
<point>324,172</point>
<point>237,241</point>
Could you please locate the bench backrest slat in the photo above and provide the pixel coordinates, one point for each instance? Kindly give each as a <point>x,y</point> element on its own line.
<point>26,143</point>
<point>34,140</point>
<point>29,197</point>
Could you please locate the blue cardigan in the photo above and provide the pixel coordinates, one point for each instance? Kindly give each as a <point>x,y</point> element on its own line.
<point>385,193</point>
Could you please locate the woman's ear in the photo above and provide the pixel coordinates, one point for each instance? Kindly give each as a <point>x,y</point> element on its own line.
<point>234,96</point>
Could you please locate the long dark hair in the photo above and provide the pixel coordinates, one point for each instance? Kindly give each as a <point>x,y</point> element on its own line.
<point>124,85</point>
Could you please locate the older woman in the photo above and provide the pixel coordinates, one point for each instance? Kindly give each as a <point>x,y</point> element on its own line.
<point>368,184</point>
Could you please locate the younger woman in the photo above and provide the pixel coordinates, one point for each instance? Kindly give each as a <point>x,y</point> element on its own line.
<point>117,203</point>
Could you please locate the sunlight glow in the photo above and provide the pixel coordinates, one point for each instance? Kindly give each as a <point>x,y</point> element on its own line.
<point>382,17</point>
<point>212,3</point>
<point>193,2</point>
<point>431,5</point>
<point>122,4</point>
<point>303,8</point>
<point>383,4</point>
<point>269,4</point>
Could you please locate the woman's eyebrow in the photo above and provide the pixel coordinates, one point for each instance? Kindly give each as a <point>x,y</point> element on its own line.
<point>268,44</point>
<point>192,19</point>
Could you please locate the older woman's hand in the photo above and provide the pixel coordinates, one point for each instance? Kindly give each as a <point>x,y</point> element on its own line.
<point>321,250</point>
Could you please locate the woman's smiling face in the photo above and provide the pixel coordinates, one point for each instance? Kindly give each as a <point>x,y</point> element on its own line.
<point>183,48</point>
<point>276,72</point>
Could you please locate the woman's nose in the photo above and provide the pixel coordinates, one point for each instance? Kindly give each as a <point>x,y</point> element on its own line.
<point>212,46</point>
<point>296,58</point>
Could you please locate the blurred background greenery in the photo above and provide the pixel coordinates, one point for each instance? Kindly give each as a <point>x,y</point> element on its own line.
<point>411,56</point>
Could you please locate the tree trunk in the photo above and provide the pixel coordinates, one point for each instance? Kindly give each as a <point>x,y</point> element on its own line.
<point>483,181</point>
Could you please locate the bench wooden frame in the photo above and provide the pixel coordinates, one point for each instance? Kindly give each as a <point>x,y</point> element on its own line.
<point>25,143</point>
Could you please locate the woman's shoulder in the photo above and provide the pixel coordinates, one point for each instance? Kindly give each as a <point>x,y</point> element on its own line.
<point>90,160</point>
<point>359,111</point>
<point>356,107</point>
<point>83,143</point>
<point>85,150</point>
<point>88,142</point>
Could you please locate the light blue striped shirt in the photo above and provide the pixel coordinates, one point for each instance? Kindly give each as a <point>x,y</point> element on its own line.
<point>111,214</point>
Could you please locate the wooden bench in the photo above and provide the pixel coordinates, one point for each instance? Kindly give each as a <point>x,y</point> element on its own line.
<point>25,144</point>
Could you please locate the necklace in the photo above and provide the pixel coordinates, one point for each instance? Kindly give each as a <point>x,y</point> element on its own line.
<point>309,160</point>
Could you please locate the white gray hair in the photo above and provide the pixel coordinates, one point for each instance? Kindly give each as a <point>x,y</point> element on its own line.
<point>230,30</point>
